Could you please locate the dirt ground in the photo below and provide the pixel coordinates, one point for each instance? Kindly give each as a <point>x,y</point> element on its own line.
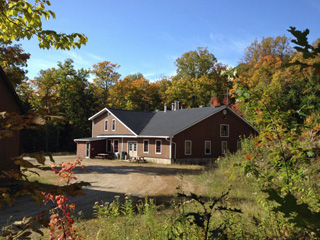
<point>110,178</point>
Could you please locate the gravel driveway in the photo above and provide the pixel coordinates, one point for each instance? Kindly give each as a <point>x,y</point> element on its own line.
<point>109,178</point>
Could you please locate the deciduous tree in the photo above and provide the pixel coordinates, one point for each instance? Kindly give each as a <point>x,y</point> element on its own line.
<point>20,19</point>
<point>13,59</point>
<point>106,76</point>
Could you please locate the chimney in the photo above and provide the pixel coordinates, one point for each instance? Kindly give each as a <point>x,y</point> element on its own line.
<point>226,100</point>
<point>165,107</point>
<point>214,102</point>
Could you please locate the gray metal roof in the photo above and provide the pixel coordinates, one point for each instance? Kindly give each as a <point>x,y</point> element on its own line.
<point>135,120</point>
<point>88,139</point>
<point>112,135</point>
<point>160,123</point>
<point>172,122</point>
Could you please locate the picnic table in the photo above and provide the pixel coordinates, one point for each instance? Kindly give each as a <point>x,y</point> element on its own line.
<point>104,156</point>
<point>138,159</point>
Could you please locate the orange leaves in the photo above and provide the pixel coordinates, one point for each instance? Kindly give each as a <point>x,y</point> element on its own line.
<point>248,157</point>
<point>61,222</point>
<point>66,171</point>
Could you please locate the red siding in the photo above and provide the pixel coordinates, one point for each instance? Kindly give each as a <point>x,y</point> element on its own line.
<point>10,146</point>
<point>209,130</point>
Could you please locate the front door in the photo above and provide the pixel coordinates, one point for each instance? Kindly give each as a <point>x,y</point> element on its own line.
<point>133,149</point>
<point>87,149</point>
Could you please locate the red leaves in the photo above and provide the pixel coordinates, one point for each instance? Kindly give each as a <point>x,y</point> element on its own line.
<point>248,157</point>
<point>61,222</point>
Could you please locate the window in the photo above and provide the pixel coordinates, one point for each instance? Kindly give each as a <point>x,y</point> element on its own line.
<point>106,125</point>
<point>87,150</point>
<point>187,147</point>
<point>113,124</point>
<point>116,145</point>
<point>158,146</point>
<point>238,145</point>
<point>145,146</point>
<point>109,145</point>
<point>207,147</point>
<point>224,130</point>
<point>224,147</point>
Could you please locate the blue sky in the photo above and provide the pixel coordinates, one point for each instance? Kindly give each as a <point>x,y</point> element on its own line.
<point>147,36</point>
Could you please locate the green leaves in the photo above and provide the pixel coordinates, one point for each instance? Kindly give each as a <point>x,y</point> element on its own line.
<point>20,19</point>
<point>298,213</point>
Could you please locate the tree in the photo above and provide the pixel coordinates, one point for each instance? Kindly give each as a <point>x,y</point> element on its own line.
<point>106,76</point>
<point>20,19</point>
<point>195,64</point>
<point>270,46</point>
<point>13,59</point>
<point>65,98</point>
<point>198,79</point>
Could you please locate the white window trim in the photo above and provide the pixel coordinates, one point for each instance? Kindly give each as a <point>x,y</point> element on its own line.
<point>132,142</point>
<point>205,143</point>
<point>145,140</point>
<point>88,150</point>
<point>113,121</point>
<point>106,121</point>
<point>221,125</point>
<point>155,145</point>
<point>114,144</point>
<point>185,147</point>
<point>222,147</point>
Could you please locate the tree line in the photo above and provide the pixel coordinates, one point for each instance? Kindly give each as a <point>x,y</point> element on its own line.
<point>66,96</point>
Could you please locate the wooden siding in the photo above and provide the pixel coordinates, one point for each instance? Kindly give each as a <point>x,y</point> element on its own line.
<point>81,149</point>
<point>209,130</point>
<point>10,146</point>
<point>95,148</point>
<point>98,126</point>
<point>101,147</point>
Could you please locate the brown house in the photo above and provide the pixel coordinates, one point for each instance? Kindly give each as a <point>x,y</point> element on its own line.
<point>9,102</point>
<point>184,135</point>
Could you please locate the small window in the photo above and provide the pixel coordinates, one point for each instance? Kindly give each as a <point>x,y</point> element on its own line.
<point>158,146</point>
<point>187,147</point>
<point>238,145</point>
<point>145,146</point>
<point>224,130</point>
<point>106,125</point>
<point>224,147</point>
<point>113,124</point>
<point>207,147</point>
<point>116,145</point>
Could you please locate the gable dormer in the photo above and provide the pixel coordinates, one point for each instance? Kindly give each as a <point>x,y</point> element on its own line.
<point>106,123</point>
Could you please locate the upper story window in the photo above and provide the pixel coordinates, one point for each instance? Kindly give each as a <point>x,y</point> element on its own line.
<point>106,125</point>
<point>113,124</point>
<point>187,147</point>
<point>207,147</point>
<point>145,146</point>
<point>158,146</point>
<point>224,130</point>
